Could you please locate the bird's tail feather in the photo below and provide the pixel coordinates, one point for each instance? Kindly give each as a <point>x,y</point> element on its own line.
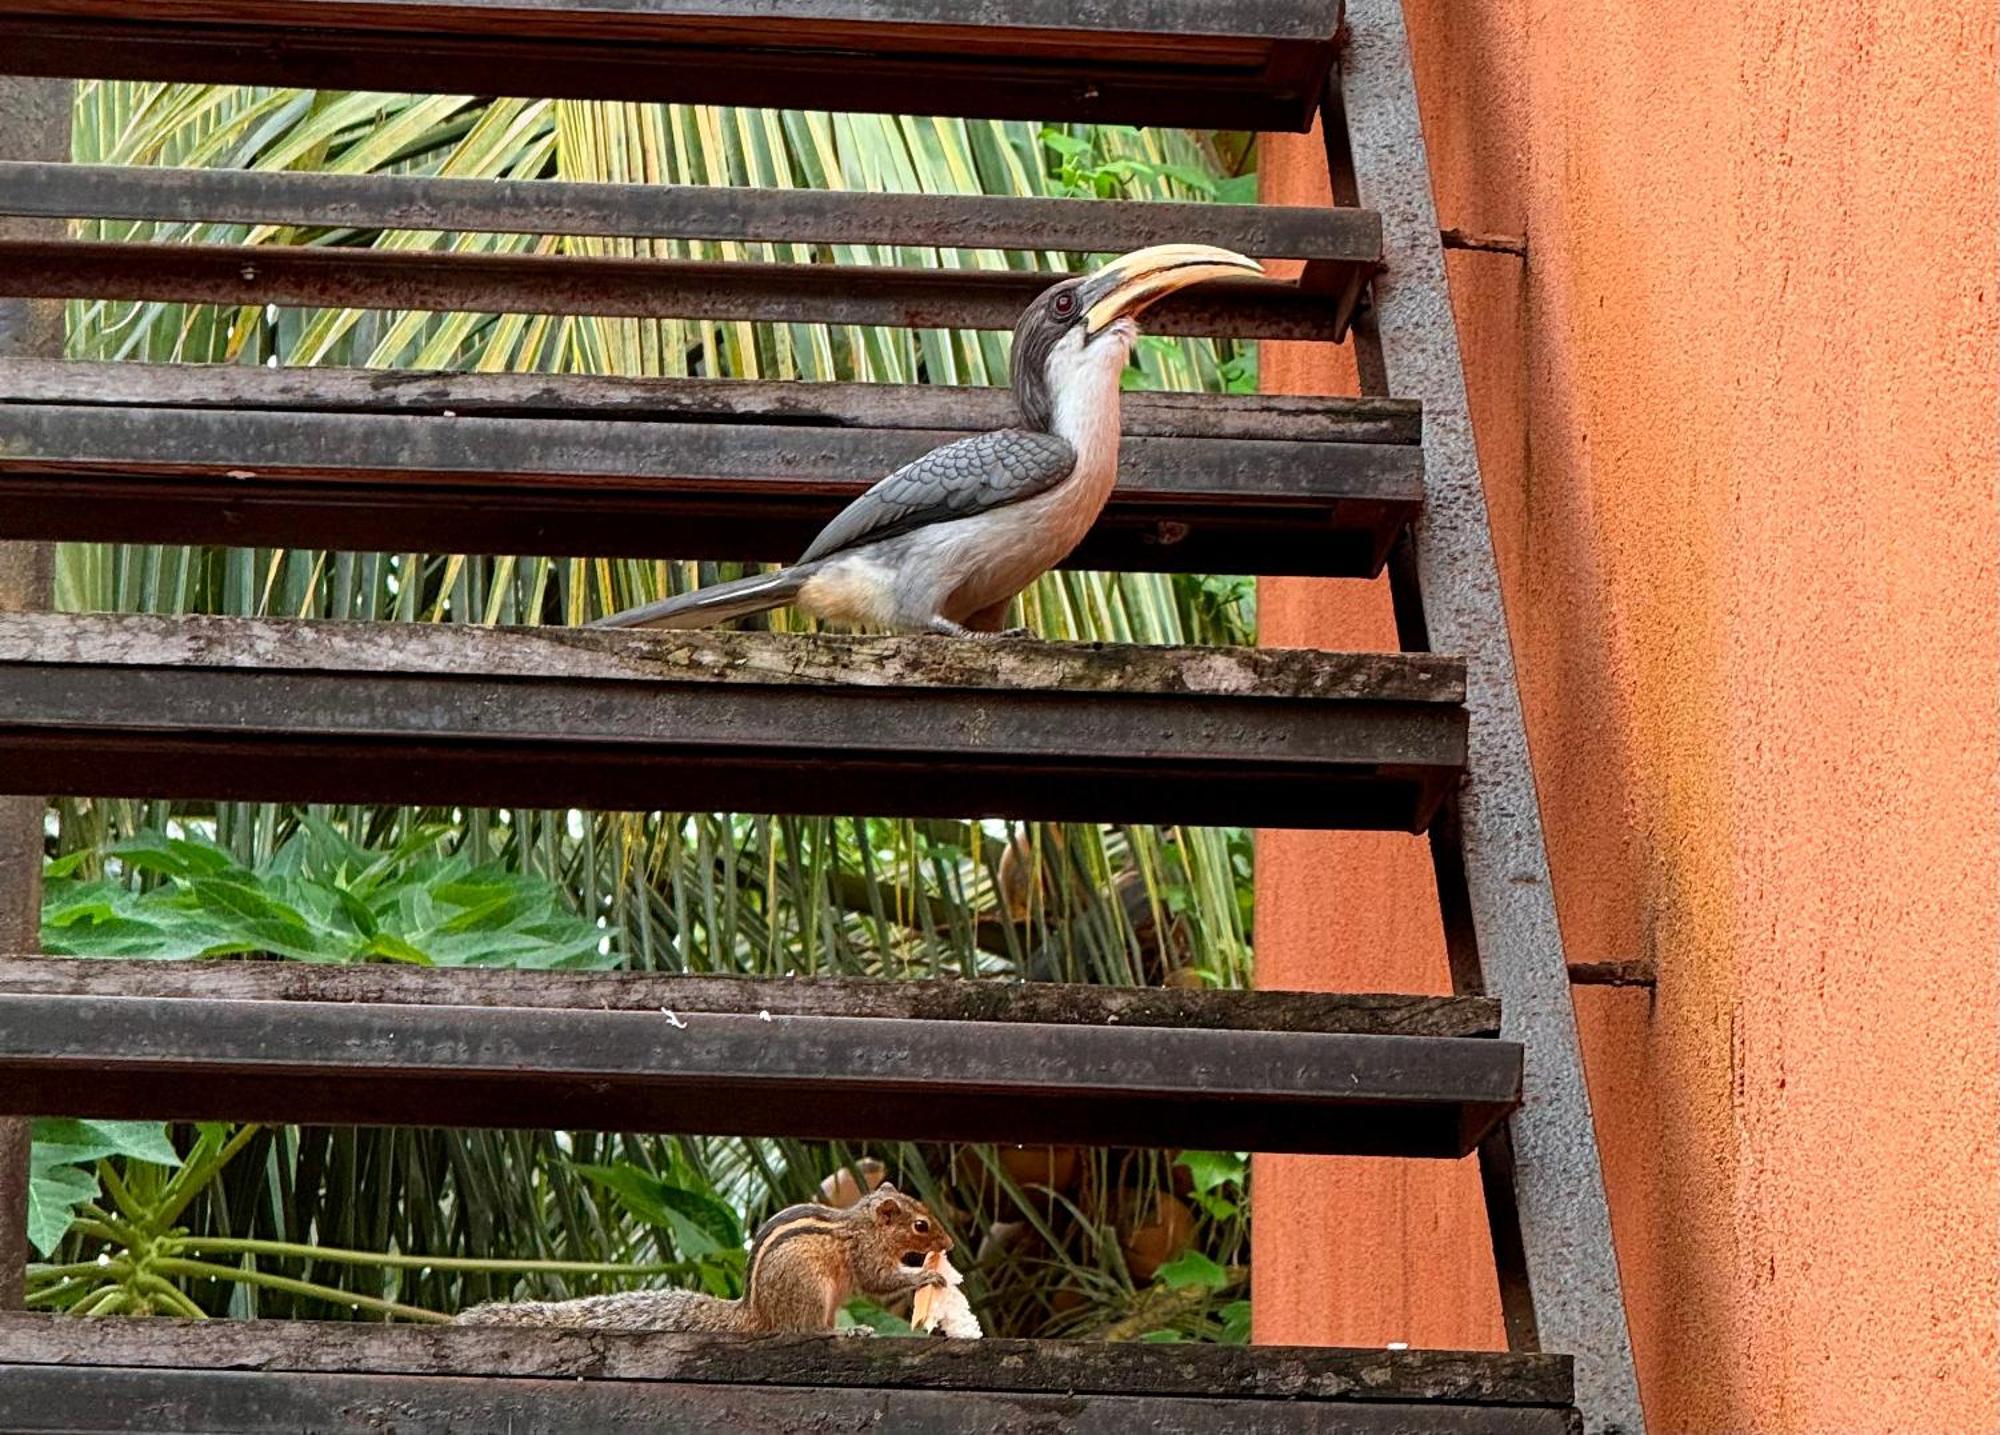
<point>705,607</point>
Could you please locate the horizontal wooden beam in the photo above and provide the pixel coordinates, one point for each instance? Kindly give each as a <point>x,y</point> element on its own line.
<point>1047,1003</point>
<point>452,280</point>
<point>745,213</point>
<point>252,1377</point>
<point>51,1400</point>
<point>351,459</point>
<point>749,721</point>
<point>1250,64</point>
<point>1309,1378</point>
<point>183,1054</point>
<point>1316,418</point>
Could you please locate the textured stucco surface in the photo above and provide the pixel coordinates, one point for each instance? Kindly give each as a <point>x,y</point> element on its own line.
<point>1737,415</point>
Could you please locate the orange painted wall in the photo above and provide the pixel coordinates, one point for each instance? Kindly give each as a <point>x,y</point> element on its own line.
<point>1737,415</point>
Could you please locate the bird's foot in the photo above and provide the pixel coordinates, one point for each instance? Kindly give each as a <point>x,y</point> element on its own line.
<point>958,630</point>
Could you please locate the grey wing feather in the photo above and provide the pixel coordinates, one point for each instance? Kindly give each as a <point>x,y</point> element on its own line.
<point>956,480</point>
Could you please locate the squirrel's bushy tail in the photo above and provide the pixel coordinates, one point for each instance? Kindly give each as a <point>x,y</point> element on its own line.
<point>705,607</point>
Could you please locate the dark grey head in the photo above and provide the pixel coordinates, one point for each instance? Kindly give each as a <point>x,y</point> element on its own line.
<point>1091,303</point>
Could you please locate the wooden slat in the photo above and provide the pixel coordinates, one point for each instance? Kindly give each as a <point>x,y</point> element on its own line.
<point>1307,1376</point>
<point>254,710</point>
<point>745,213</point>
<point>1333,418</point>
<point>1249,64</point>
<point>364,278</point>
<point>115,1401</point>
<point>924,726</point>
<point>678,469</point>
<point>185,1054</point>
<point>1049,1003</point>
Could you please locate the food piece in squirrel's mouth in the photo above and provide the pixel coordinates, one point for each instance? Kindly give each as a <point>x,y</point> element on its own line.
<point>944,1309</point>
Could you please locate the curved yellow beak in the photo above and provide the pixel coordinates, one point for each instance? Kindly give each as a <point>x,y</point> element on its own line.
<point>1132,282</point>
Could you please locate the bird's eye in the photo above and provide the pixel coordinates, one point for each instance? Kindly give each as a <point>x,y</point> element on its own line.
<point>921,1227</point>
<point>1065,304</point>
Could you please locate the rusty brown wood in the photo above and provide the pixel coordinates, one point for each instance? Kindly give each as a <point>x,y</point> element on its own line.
<point>194,1058</point>
<point>1304,1374</point>
<point>368,202</point>
<point>1479,243</point>
<point>1359,1014</point>
<point>34,126</point>
<point>289,275</point>
<point>262,710</point>
<point>611,468</point>
<point>1252,64</point>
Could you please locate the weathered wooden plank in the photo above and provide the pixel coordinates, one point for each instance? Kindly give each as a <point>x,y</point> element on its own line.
<point>55,1401</point>
<point>1332,419</point>
<point>739,1074</point>
<point>519,463</point>
<point>257,710</point>
<point>1373,1014</point>
<point>34,125</point>
<point>676,489</point>
<point>711,212</point>
<point>351,277</point>
<point>1253,64</point>
<point>463,448</point>
<point>721,658</point>
<point>1303,1374</point>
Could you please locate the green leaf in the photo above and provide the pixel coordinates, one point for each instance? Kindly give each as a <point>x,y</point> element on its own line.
<point>1213,1168</point>
<point>868,1315</point>
<point>53,1196</point>
<point>173,856</point>
<point>1192,1268</point>
<point>1162,1337</point>
<point>698,1212</point>
<point>386,947</point>
<point>1237,189</point>
<point>1235,1323</point>
<point>63,866</point>
<point>58,1155</point>
<point>701,1225</point>
<point>61,1141</point>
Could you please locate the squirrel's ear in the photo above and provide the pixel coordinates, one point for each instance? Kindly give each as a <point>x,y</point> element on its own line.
<point>887,1188</point>
<point>888,1211</point>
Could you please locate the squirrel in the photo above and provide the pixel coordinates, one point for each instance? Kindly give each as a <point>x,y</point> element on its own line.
<point>806,1262</point>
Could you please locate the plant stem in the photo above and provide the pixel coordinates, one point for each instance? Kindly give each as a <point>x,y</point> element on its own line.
<point>115,1270</point>
<point>170,1294</point>
<point>305,1288</point>
<point>189,1181</point>
<point>121,1195</point>
<point>101,1223</point>
<point>1158,1306</point>
<point>49,1295</point>
<point>109,1300</point>
<point>233,1245</point>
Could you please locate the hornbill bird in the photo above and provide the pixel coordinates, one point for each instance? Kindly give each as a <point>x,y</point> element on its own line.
<point>944,543</point>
